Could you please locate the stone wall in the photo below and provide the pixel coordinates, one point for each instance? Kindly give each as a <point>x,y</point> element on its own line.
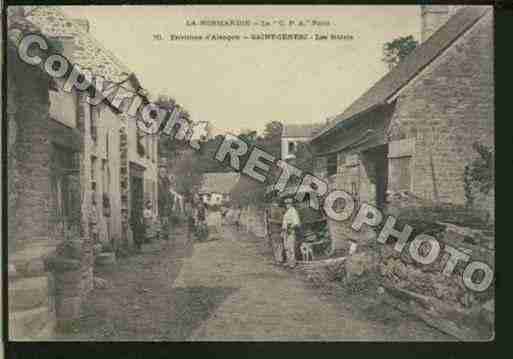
<point>446,109</point>
<point>30,286</point>
<point>423,290</point>
<point>33,148</point>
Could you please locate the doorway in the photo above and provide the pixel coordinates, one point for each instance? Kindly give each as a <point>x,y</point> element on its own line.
<point>378,156</point>
<point>136,203</point>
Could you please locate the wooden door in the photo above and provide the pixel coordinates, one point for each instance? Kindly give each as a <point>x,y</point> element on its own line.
<point>137,197</point>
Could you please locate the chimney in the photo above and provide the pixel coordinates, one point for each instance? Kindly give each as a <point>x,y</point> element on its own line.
<point>432,18</point>
<point>83,24</point>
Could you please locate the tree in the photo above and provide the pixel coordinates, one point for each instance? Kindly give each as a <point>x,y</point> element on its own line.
<point>249,191</point>
<point>273,130</point>
<point>169,147</point>
<point>188,175</point>
<point>396,50</point>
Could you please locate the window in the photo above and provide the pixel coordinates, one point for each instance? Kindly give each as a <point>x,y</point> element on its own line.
<point>147,146</point>
<point>331,164</point>
<point>292,147</point>
<point>140,146</point>
<point>106,176</point>
<point>354,189</point>
<point>93,168</point>
<point>107,145</point>
<point>93,122</point>
<point>93,179</point>
<point>154,197</point>
<point>400,173</point>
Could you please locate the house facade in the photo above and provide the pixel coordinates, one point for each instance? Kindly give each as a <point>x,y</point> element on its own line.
<point>123,161</point>
<point>403,147</point>
<point>216,187</point>
<point>78,172</point>
<point>292,135</point>
<point>414,130</point>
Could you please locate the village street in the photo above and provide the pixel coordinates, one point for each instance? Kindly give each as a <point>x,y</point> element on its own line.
<point>228,289</point>
<point>384,188</point>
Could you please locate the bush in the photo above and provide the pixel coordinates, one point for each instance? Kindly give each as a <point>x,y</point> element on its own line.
<point>479,175</point>
<point>107,247</point>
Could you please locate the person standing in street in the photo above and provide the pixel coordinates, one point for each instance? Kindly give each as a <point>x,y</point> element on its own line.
<point>238,217</point>
<point>276,240</point>
<point>201,218</point>
<point>137,225</point>
<point>290,224</point>
<point>148,219</point>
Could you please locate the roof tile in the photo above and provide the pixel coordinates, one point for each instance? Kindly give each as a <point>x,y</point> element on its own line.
<point>89,53</point>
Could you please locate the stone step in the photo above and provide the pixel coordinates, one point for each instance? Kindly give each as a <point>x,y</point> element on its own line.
<point>25,324</point>
<point>28,293</point>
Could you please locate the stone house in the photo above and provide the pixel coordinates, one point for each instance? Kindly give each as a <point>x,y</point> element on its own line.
<point>293,134</point>
<point>412,134</point>
<point>414,129</point>
<point>216,187</point>
<point>123,161</point>
<point>73,168</point>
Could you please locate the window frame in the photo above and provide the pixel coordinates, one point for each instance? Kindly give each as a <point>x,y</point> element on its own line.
<point>93,126</point>
<point>396,185</point>
<point>331,163</point>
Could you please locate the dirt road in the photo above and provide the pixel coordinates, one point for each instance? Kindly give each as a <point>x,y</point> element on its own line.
<point>229,289</point>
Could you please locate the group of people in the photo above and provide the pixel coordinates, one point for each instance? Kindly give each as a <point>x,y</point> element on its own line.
<point>196,212</point>
<point>204,221</point>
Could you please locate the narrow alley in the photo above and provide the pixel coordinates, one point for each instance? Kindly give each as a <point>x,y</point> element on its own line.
<point>229,290</point>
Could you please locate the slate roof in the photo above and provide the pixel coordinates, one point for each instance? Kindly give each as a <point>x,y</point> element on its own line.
<point>401,74</point>
<point>219,182</point>
<point>89,53</point>
<point>296,130</point>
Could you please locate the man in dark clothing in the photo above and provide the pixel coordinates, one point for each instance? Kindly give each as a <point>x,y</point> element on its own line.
<point>201,217</point>
<point>138,231</point>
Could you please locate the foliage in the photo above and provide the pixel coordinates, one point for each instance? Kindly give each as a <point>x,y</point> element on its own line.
<point>170,147</point>
<point>206,156</point>
<point>188,173</point>
<point>304,157</point>
<point>249,191</point>
<point>480,173</point>
<point>273,130</point>
<point>398,49</point>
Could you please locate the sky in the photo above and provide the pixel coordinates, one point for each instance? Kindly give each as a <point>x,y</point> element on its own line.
<point>245,84</point>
